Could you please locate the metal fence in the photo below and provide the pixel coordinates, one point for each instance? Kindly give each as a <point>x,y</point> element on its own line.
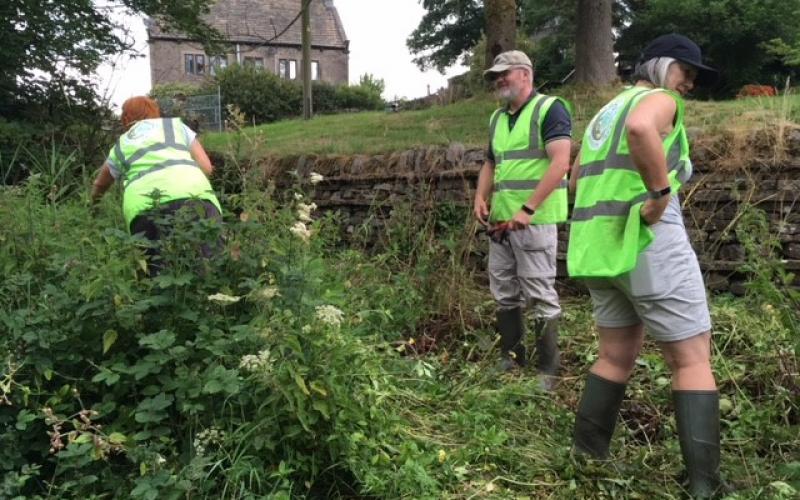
<point>200,112</point>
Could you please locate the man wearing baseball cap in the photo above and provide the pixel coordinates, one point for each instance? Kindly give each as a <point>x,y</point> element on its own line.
<point>521,196</point>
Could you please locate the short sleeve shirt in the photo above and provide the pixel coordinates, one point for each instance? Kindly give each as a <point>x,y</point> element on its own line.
<point>114,168</point>
<point>557,123</point>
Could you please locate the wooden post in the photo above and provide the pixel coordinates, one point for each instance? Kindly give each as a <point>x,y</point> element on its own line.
<point>307,109</point>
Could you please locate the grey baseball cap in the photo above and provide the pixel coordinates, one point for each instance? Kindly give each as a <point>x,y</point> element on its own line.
<point>507,60</point>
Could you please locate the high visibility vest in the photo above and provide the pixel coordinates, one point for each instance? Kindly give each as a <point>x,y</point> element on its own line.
<point>156,167</point>
<point>607,233</point>
<point>520,163</point>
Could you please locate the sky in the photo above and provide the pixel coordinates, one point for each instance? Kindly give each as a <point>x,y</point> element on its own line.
<point>377,30</point>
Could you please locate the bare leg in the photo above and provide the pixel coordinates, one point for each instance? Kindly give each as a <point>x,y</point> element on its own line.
<point>619,348</point>
<point>690,363</point>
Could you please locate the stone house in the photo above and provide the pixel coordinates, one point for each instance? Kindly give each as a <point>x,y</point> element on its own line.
<point>260,33</point>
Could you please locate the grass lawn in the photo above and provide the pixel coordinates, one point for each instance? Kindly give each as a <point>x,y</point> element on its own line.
<point>466,122</point>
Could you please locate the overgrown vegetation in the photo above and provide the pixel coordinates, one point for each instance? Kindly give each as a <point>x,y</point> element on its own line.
<point>290,365</point>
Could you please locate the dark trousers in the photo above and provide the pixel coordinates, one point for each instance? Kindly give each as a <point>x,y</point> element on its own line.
<point>148,225</point>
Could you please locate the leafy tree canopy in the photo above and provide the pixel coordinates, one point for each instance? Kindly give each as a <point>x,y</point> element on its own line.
<point>735,35</point>
<point>749,42</point>
<point>59,43</point>
<point>447,31</point>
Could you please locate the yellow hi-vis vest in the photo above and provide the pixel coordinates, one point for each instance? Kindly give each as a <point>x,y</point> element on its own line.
<point>156,167</point>
<point>520,163</point>
<point>607,233</point>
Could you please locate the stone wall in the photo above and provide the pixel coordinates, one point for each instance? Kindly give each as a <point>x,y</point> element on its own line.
<point>357,186</point>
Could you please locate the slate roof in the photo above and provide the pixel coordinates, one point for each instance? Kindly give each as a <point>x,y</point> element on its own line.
<point>257,21</point>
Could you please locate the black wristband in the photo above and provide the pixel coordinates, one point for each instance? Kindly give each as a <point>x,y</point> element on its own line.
<point>654,195</point>
<point>528,210</point>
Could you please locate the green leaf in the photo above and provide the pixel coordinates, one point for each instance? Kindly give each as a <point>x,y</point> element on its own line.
<point>152,409</point>
<point>322,407</point>
<point>317,386</point>
<point>108,340</point>
<point>83,438</point>
<point>158,341</point>
<point>24,417</point>
<point>117,438</point>
<point>301,384</point>
<point>222,380</point>
<point>110,378</point>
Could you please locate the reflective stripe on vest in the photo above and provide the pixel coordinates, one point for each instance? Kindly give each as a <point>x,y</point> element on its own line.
<point>156,166</point>
<point>607,233</point>
<point>133,164</point>
<point>520,163</point>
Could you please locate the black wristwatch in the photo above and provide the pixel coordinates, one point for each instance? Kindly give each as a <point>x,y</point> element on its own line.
<point>528,210</point>
<point>654,195</point>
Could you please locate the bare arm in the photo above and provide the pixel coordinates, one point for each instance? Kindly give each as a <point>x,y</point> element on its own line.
<point>484,191</point>
<point>647,124</point>
<point>200,156</point>
<point>102,182</point>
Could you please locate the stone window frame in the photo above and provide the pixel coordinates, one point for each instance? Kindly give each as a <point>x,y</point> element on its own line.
<point>316,75</point>
<point>256,61</point>
<point>194,63</point>
<point>213,63</point>
<point>287,75</point>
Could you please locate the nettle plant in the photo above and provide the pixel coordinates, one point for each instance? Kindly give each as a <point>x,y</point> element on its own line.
<point>228,377</point>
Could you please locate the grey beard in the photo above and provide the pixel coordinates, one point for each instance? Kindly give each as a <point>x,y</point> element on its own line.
<point>508,94</point>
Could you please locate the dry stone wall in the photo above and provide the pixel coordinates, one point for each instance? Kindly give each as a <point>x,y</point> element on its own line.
<point>362,186</point>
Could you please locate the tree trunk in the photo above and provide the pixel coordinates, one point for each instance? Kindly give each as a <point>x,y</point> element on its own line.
<point>594,44</point>
<point>501,27</point>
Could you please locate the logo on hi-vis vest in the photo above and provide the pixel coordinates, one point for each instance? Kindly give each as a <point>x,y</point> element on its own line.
<point>603,124</point>
<point>141,131</point>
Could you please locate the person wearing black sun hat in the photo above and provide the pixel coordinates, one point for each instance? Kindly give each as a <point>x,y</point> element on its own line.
<point>629,244</point>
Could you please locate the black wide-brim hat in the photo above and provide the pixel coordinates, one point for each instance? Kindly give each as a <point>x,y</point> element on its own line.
<point>684,50</point>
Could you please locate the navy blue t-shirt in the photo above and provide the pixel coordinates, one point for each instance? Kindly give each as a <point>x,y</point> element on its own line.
<point>557,123</point>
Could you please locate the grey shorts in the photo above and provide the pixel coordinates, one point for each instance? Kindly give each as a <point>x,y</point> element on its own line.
<point>665,290</point>
<point>522,270</point>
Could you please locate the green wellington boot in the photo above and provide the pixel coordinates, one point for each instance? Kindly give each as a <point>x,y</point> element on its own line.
<point>597,415</point>
<point>548,356</point>
<point>511,328</point>
<point>697,416</point>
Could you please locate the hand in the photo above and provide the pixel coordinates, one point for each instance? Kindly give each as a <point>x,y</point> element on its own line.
<point>521,220</point>
<point>480,209</point>
<point>652,210</point>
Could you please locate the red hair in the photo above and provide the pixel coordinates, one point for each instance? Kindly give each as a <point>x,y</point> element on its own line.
<point>139,108</point>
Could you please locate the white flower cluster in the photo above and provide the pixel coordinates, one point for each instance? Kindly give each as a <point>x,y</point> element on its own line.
<point>206,438</point>
<point>315,178</point>
<point>301,231</point>
<point>304,211</point>
<point>330,315</point>
<point>221,298</point>
<point>269,292</point>
<point>256,362</point>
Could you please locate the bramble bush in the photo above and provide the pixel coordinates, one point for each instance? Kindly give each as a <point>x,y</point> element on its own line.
<point>230,377</point>
<point>290,366</point>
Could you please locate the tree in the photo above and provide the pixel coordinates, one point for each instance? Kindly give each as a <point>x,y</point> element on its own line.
<point>594,43</point>
<point>736,36</point>
<point>59,43</point>
<point>501,28</point>
<point>448,30</point>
